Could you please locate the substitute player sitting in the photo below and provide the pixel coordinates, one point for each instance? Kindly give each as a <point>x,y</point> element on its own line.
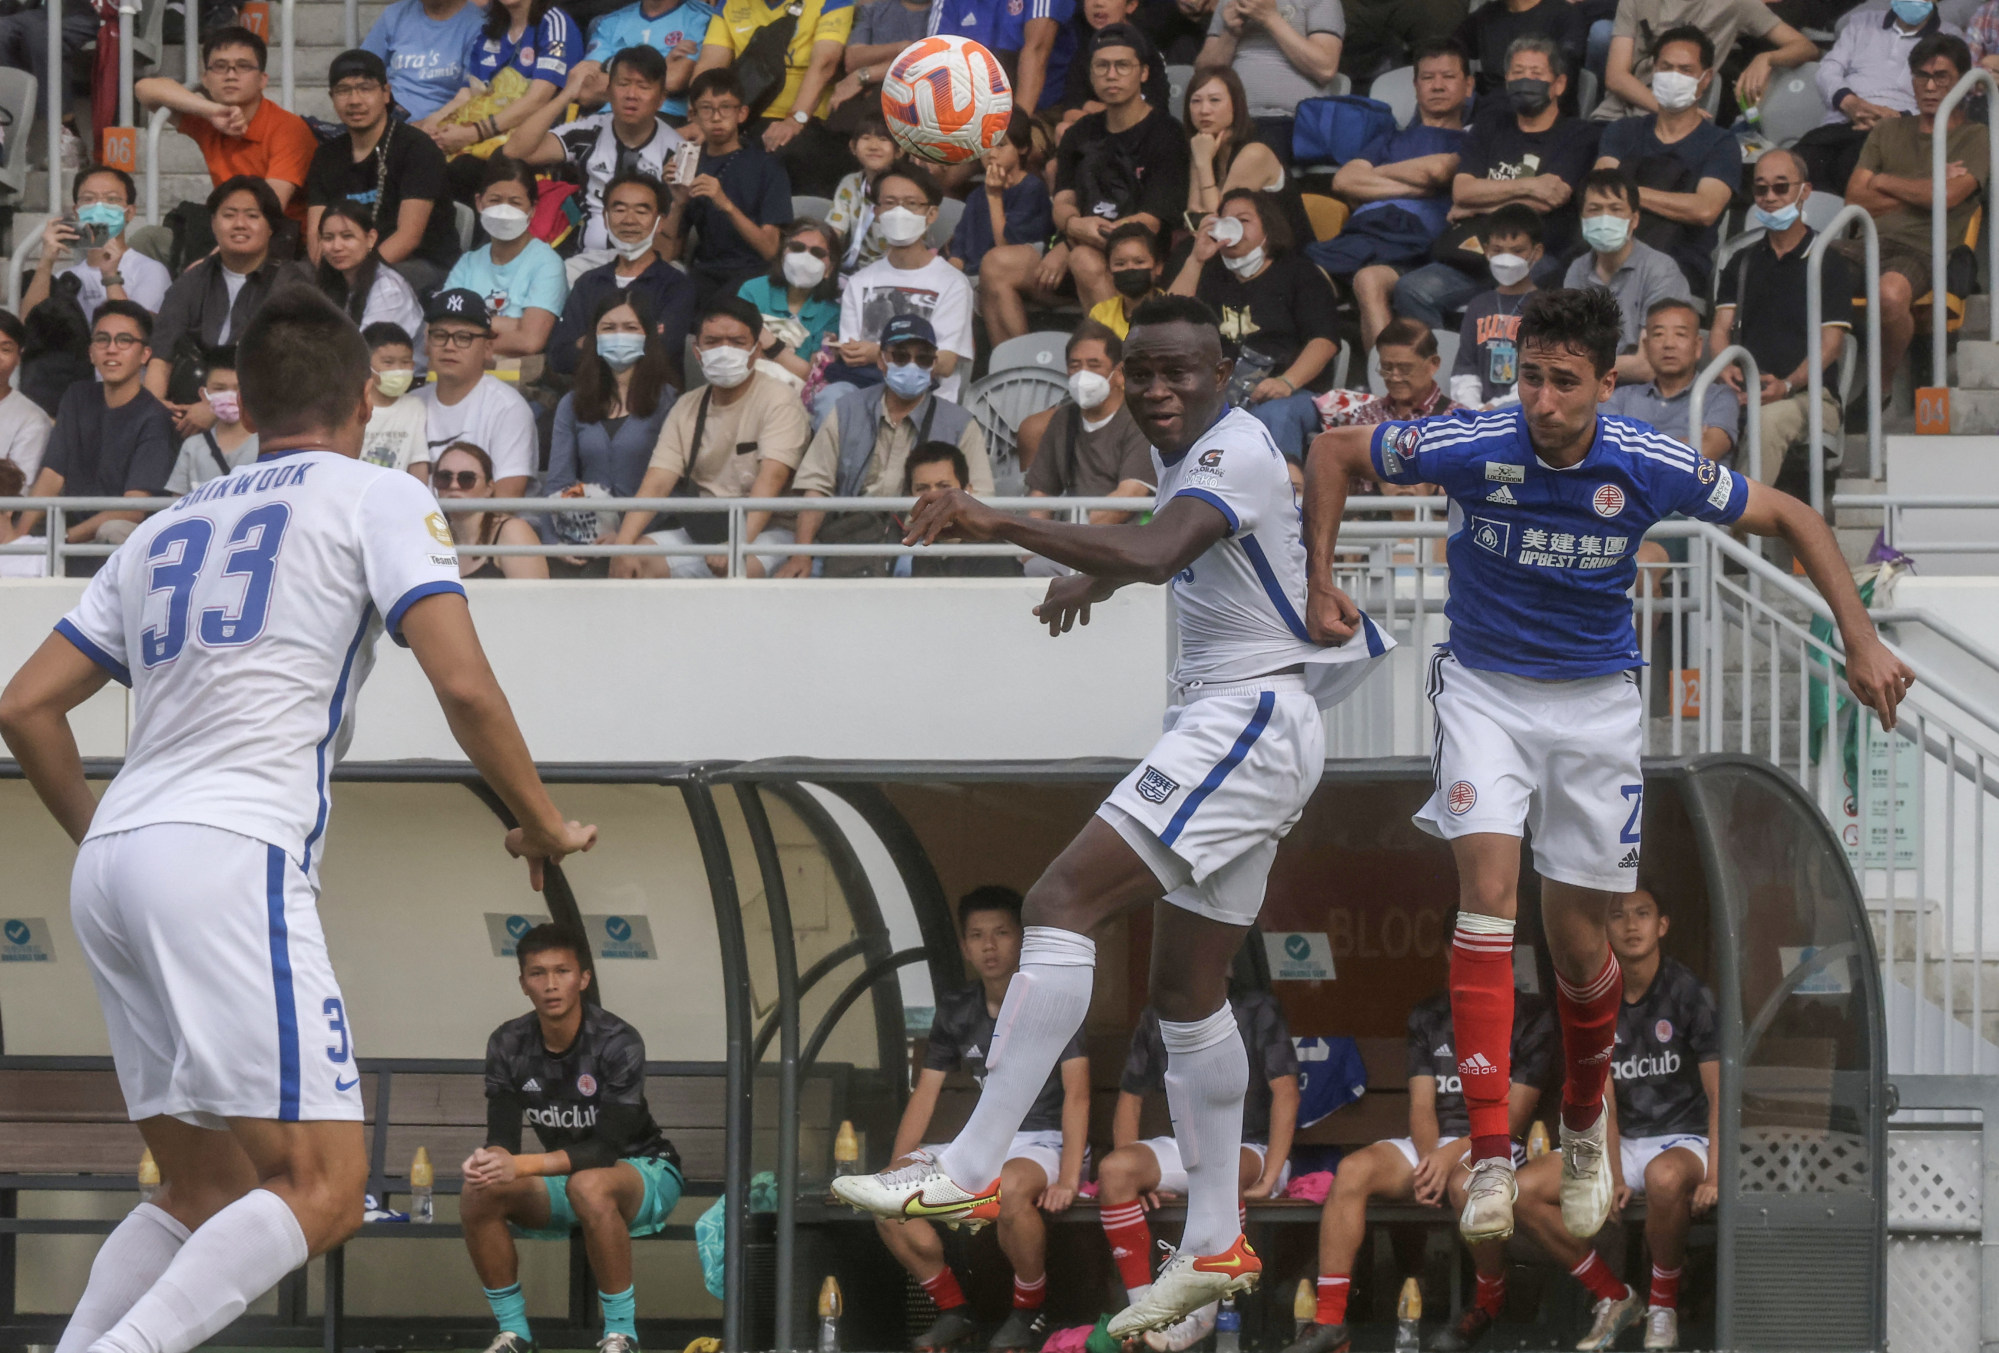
<point>1195,826</point>
<point>1539,715</point>
<point>575,1073</point>
<point>1134,1176</point>
<point>1044,1162</point>
<point>1667,1077</point>
<point>1426,1167</point>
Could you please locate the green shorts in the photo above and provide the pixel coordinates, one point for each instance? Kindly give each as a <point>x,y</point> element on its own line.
<point>663,1185</point>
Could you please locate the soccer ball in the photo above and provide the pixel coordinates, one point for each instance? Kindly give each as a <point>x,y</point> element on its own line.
<point>947,100</point>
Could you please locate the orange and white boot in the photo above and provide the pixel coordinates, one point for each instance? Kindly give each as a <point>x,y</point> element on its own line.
<point>1185,1285</point>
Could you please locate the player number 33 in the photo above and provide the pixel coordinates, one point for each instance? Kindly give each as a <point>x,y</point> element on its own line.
<point>175,561</point>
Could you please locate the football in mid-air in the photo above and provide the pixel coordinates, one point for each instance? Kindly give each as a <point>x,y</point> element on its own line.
<point>947,100</point>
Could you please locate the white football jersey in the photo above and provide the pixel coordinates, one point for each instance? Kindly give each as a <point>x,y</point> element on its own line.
<point>244,619</point>
<point>1240,607</point>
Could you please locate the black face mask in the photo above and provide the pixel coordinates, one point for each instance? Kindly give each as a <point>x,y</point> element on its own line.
<point>1529,97</point>
<point>1133,282</point>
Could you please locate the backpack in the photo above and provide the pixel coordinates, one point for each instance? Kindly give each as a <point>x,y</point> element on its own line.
<point>1334,130</point>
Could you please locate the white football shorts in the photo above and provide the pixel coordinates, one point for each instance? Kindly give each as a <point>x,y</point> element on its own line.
<point>1228,778</point>
<point>1173,1171</point>
<point>212,969</point>
<point>1560,758</point>
<point>1407,1146</point>
<point>1044,1148</point>
<point>1638,1152</point>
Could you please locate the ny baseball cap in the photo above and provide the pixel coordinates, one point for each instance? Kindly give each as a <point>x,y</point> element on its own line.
<point>908,329</point>
<point>467,307</point>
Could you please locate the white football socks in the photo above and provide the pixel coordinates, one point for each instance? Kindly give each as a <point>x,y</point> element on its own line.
<point>1045,1004</point>
<point>129,1262</point>
<point>233,1258</point>
<point>1207,1075</point>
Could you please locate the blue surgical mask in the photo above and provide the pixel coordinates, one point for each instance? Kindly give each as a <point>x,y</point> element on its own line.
<point>104,214</point>
<point>621,350</point>
<point>1914,13</point>
<point>908,380</point>
<point>1781,219</point>
<point>1606,234</point>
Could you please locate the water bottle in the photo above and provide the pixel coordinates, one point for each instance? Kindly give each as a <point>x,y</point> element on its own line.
<point>1537,1140</point>
<point>1304,1308</point>
<point>149,1177</point>
<point>1408,1316</point>
<point>829,1311</point>
<point>1228,1328</point>
<point>422,1208</point>
<point>846,1152</point>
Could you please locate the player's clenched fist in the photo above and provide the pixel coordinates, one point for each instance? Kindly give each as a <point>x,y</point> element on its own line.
<point>1330,614</point>
<point>540,847</point>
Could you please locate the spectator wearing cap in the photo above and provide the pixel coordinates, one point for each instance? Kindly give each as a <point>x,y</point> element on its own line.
<point>861,448</point>
<point>389,167</point>
<point>104,198</point>
<point>630,136</point>
<point>673,28</point>
<point>519,279</point>
<point>792,107</point>
<point>212,303</point>
<point>740,198</point>
<point>741,436</point>
<point>632,213</point>
<point>424,44</point>
<point>465,403</point>
<point>240,132</point>
<point>24,426</point>
<point>1088,446</point>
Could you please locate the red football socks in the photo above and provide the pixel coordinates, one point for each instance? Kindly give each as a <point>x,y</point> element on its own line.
<point>1589,1037</point>
<point>1027,1296</point>
<point>1665,1287</point>
<point>1491,1297</point>
<point>1130,1238</point>
<point>1482,1024</point>
<point>1332,1299</point>
<point>1594,1274</point>
<point>944,1289</point>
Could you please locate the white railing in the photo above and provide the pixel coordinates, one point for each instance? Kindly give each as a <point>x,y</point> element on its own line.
<point>1814,313</point>
<point>1752,381</point>
<point>156,123</point>
<point>1895,530</point>
<point>1940,244</point>
<point>55,92</point>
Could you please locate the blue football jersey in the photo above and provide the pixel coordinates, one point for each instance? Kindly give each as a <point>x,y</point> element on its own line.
<point>1541,559</point>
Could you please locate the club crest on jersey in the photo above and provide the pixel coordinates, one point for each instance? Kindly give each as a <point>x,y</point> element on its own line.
<point>1608,500</point>
<point>439,528</point>
<point>1155,787</point>
<point>1460,797</point>
<point>1496,536</point>
<point>586,1084</point>
<point>1501,473</point>
<point>1706,470</point>
<point>1663,1031</point>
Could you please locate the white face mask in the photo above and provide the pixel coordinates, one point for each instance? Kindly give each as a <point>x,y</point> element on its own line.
<point>504,222</point>
<point>1089,390</point>
<point>638,247</point>
<point>1246,266</point>
<point>725,367</point>
<point>1673,90</point>
<point>1507,269</point>
<point>803,270</point>
<point>901,226</point>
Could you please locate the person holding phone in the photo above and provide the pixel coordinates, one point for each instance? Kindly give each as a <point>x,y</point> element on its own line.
<point>101,202</point>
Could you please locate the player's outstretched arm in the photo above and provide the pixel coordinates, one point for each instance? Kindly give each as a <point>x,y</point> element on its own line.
<point>439,631</point>
<point>1877,677</point>
<point>34,720</point>
<point>1179,533</point>
<point>1335,460</point>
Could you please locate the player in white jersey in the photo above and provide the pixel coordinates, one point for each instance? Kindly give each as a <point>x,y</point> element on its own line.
<point>244,619</point>
<point>1195,826</point>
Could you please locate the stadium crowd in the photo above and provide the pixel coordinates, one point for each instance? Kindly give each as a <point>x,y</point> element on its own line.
<point>671,248</point>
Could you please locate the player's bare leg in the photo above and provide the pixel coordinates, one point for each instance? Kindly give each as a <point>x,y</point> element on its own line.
<point>1377,1171</point>
<point>920,1250</point>
<point>1670,1181</point>
<point>1488,1297</point>
<point>1588,990</point>
<point>1616,1306</point>
<point>307,1181</point>
<point>1023,1237</point>
<point>1482,1022</point>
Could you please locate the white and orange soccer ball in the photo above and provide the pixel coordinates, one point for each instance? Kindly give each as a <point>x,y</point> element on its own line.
<point>947,100</point>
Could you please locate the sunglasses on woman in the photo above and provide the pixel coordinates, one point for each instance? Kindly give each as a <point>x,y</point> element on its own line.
<point>813,250</point>
<point>462,479</point>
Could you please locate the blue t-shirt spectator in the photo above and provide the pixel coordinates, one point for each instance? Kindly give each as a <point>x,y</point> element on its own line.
<point>1707,152</point>
<point>1411,143</point>
<point>876,24</point>
<point>531,279</point>
<point>1030,219</point>
<point>633,27</point>
<point>1001,25</point>
<point>425,55</point>
<point>757,184</point>
<point>820,318</point>
<point>544,51</point>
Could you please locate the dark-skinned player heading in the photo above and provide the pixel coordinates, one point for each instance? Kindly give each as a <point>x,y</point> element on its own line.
<point>1539,718</point>
<point>1194,828</point>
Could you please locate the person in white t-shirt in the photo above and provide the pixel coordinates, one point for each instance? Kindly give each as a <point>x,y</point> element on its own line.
<point>215,451</point>
<point>396,438</point>
<point>103,199</point>
<point>24,425</point>
<point>911,279</point>
<point>466,404</point>
<point>353,274</point>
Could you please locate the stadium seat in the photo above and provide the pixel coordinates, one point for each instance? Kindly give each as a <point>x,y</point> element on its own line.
<point>1820,208</point>
<point>1397,89</point>
<point>1588,91</point>
<point>999,403</point>
<point>818,208</point>
<point>1177,80</point>
<point>1791,105</point>
<point>1328,215</point>
<point>690,366</point>
<point>17,111</point>
<point>465,219</point>
<point>1044,351</point>
<point>149,30</point>
<point>1447,357</point>
<point>948,212</point>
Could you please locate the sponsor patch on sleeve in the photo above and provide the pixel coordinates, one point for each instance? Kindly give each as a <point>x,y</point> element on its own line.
<point>1501,473</point>
<point>1724,486</point>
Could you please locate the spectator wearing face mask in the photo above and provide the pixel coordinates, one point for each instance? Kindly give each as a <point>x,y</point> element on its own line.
<point>1488,365</point>
<point>215,451</point>
<point>1627,77</point>
<point>798,298</point>
<point>103,199</point>
<point>607,426</point>
<point>1635,273</point>
<point>396,437</point>
<point>1137,264</point>
<point>518,277</point>
<point>1864,80</point>
<point>633,209</point>
<point>1088,446</point>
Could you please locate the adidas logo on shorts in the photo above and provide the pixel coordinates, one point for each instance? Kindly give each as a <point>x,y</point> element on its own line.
<point>1630,860</point>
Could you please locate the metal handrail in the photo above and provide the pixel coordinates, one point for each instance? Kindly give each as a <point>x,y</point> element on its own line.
<point>1939,244</point>
<point>350,23</point>
<point>155,124</point>
<point>1815,330</point>
<point>1752,382</point>
<point>287,55</point>
<point>126,10</point>
<point>52,98</point>
<point>190,40</point>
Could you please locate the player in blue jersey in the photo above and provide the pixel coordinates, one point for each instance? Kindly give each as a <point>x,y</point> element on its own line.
<point>1539,718</point>
<point>1194,827</point>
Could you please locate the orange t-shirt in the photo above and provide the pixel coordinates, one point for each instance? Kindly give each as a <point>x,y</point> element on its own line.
<point>278,145</point>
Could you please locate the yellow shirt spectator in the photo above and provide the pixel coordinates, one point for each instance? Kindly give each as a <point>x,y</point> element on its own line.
<point>818,21</point>
<point>1114,314</point>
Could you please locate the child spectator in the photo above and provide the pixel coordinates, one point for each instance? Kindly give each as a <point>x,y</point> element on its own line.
<point>798,298</point>
<point>215,451</point>
<point>853,213</point>
<point>352,273</point>
<point>519,278</point>
<point>1013,209</point>
<point>396,437</point>
<point>1136,262</point>
<point>1488,364</point>
<point>740,198</point>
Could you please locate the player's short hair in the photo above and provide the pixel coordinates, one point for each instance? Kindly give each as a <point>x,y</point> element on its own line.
<point>549,935</point>
<point>902,167</point>
<point>1616,182</point>
<point>641,178</point>
<point>303,363</point>
<point>1515,218</point>
<point>267,200</point>
<point>1133,230</point>
<point>1941,44</point>
<point>1665,303</point>
<point>1171,309</point>
<point>235,35</point>
<point>1686,32</point>
<point>930,453</point>
<point>992,897</point>
<point>131,310</point>
<point>730,307</point>
<point>1431,48</point>
<point>1090,331</point>
<point>1581,320</point>
<point>384,334</point>
<point>721,80</point>
<point>91,171</point>
<point>648,63</point>
<point>1408,333</point>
